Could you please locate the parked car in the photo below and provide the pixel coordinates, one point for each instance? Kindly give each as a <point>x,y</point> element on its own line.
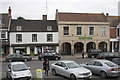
<point>104,68</point>
<point>49,55</point>
<point>18,70</point>
<point>107,55</point>
<point>116,61</point>
<point>17,57</point>
<point>70,69</point>
<point>93,53</point>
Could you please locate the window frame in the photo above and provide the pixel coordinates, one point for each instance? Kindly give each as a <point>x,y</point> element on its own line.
<point>80,31</point>
<point>34,37</point>
<point>66,32</point>
<point>91,33</point>
<point>103,31</point>
<point>3,33</point>
<point>17,37</point>
<point>49,38</point>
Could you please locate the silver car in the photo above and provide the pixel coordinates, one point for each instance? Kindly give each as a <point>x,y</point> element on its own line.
<point>70,69</point>
<point>18,70</point>
<point>103,68</point>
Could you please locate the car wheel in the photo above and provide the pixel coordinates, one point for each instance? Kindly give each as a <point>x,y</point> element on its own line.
<point>25,60</point>
<point>9,60</point>
<point>103,74</point>
<point>72,77</point>
<point>54,72</point>
<point>56,58</point>
<point>42,59</point>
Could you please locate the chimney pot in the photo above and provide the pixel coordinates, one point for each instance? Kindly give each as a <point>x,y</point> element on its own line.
<point>107,14</point>
<point>9,10</point>
<point>45,17</point>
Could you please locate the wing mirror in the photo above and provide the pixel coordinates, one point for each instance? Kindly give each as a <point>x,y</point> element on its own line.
<point>66,68</point>
<point>28,67</point>
<point>9,70</point>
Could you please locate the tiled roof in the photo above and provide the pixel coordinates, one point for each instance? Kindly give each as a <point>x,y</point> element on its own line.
<point>4,17</point>
<point>112,32</point>
<point>114,20</point>
<point>81,17</point>
<point>33,25</point>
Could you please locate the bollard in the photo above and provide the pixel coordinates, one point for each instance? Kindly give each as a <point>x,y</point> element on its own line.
<point>39,75</point>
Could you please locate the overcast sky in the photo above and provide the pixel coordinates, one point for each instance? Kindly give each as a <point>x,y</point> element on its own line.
<point>34,9</point>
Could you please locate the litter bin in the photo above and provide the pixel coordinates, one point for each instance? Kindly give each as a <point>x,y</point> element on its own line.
<point>39,75</point>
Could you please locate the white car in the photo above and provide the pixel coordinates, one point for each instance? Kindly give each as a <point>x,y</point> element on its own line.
<point>70,69</point>
<point>18,70</point>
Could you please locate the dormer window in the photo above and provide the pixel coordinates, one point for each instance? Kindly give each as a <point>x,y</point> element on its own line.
<point>19,28</point>
<point>49,28</point>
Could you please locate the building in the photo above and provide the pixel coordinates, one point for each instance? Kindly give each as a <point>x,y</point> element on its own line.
<point>118,35</point>
<point>5,19</point>
<point>114,33</point>
<point>32,37</point>
<point>82,31</point>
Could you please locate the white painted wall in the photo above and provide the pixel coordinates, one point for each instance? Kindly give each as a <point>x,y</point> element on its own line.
<point>27,37</point>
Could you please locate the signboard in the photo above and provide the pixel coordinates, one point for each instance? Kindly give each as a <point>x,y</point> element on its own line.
<point>85,37</point>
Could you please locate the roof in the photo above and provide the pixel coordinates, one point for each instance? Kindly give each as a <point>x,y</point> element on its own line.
<point>102,60</point>
<point>114,20</point>
<point>65,61</point>
<point>81,17</point>
<point>5,18</point>
<point>113,32</point>
<point>14,63</point>
<point>33,25</point>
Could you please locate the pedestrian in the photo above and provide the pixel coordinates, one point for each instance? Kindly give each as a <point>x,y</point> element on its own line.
<point>46,66</point>
<point>83,54</point>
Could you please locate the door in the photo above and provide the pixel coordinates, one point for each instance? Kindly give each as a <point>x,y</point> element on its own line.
<point>90,66</point>
<point>20,57</point>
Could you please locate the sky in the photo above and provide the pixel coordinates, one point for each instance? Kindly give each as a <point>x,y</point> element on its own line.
<point>34,9</point>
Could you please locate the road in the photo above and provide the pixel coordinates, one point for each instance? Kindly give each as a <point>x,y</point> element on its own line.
<point>36,64</point>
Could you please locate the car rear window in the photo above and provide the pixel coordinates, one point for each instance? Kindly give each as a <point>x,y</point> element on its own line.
<point>110,64</point>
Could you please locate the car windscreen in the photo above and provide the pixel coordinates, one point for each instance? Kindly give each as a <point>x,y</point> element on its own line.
<point>73,65</point>
<point>19,67</point>
<point>117,61</point>
<point>110,64</point>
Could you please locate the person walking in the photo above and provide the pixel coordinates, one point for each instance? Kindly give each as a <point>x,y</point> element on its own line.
<point>83,54</point>
<point>46,66</point>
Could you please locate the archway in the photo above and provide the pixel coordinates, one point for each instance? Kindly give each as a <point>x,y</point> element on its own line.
<point>91,45</point>
<point>66,48</point>
<point>78,47</point>
<point>103,46</point>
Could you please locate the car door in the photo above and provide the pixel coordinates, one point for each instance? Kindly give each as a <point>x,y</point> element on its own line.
<point>19,57</point>
<point>90,66</point>
<point>13,57</point>
<point>97,67</point>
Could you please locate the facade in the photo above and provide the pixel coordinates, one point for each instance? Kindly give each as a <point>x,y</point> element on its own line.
<point>118,35</point>
<point>114,33</point>
<point>82,31</point>
<point>5,19</point>
<point>32,37</point>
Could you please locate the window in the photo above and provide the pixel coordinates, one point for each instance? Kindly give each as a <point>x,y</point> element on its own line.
<point>3,34</point>
<point>19,28</point>
<point>34,37</point>
<point>49,28</point>
<point>98,64</point>
<point>79,31</point>
<point>91,30</point>
<point>66,30</point>
<point>18,37</point>
<point>102,29</point>
<point>118,32</point>
<point>0,21</point>
<point>49,38</point>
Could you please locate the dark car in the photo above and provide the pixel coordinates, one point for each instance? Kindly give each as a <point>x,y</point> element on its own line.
<point>107,55</point>
<point>116,61</point>
<point>50,56</point>
<point>17,57</point>
<point>93,53</point>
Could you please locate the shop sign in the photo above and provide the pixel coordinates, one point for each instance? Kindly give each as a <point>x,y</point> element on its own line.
<point>85,37</point>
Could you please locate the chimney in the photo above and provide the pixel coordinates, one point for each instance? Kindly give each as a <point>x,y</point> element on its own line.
<point>107,14</point>
<point>45,17</point>
<point>9,11</point>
